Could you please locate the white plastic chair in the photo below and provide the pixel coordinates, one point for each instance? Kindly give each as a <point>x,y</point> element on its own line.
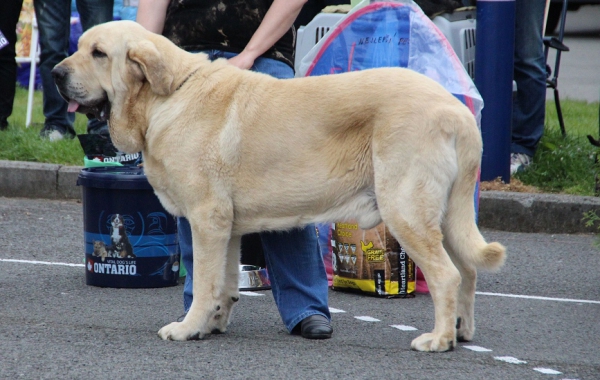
<point>33,59</point>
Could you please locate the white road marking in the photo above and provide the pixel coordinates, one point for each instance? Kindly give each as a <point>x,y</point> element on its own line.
<point>334,310</point>
<point>42,262</point>
<point>547,371</point>
<point>367,319</point>
<point>404,327</point>
<point>510,359</point>
<point>252,294</point>
<point>477,348</point>
<point>536,297</point>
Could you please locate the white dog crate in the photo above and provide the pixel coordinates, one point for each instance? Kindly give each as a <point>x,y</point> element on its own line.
<point>309,35</point>
<point>459,29</point>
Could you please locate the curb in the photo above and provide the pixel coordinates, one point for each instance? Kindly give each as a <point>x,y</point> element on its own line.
<point>35,180</point>
<point>498,210</point>
<point>528,212</point>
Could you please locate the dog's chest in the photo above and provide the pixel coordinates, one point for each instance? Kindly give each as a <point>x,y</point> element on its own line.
<point>115,236</point>
<point>161,187</point>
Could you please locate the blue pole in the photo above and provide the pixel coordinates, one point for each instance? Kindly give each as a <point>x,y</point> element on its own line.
<point>495,38</point>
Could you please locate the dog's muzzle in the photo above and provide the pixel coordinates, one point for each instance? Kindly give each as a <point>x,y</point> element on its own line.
<point>100,108</point>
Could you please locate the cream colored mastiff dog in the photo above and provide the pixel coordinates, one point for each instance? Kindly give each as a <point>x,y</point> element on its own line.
<point>236,151</point>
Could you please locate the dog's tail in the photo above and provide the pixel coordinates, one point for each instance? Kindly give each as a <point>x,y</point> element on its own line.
<point>462,237</point>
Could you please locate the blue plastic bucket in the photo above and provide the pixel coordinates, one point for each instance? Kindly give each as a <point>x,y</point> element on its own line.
<point>130,239</point>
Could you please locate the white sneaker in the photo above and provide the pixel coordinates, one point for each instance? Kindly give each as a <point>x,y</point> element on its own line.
<point>55,136</point>
<point>519,162</point>
<point>53,133</point>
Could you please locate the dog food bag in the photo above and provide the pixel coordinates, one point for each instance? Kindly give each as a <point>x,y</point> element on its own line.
<point>371,262</point>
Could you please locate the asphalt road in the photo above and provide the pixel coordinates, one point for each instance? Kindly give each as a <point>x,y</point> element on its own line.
<point>54,326</point>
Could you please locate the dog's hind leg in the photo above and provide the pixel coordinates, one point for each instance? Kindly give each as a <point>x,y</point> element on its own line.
<point>465,311</point>
<point>462,239</point>
<point>210,236</point>
<point>469,252</point>
<point>412,210</point>
<point>231,293</point>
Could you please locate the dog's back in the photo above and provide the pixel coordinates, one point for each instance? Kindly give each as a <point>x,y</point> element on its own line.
<point>335,136</point>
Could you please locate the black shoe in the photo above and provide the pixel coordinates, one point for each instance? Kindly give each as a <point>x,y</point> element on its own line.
<point>314,327</point>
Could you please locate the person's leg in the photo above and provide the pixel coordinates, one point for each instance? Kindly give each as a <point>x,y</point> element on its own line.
<point>9,16</point>
<point>94,12</point>
<point>91,13</point>
<point>297,274</point>
<point>53,17</point>
<point>530,75</point>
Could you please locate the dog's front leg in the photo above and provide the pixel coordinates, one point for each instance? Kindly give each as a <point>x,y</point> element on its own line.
<point>231,292</point>
<point>210,245</point>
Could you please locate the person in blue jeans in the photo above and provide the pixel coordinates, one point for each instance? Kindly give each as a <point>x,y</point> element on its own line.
<point>529,104</point>
<point>54,23</point>
<point>263,42</point>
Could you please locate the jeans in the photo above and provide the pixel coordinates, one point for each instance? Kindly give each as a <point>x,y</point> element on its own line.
<point>294,261</point>
<point>529,104</point>
<point>53,17</point>
<point>9,15</point>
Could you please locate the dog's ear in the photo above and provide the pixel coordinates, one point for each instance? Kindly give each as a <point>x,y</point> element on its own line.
<point>153,67</point>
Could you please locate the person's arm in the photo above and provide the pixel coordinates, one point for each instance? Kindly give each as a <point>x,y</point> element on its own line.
<point>279,19</point>
<point>151,14</point>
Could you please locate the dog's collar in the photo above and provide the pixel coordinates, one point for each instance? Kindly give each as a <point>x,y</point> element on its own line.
<point>186,79</point>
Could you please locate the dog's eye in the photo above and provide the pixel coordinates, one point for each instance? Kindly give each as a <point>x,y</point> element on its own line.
<point>98,54</point>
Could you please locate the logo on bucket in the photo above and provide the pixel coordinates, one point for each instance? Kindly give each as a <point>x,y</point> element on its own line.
<point>120,267</point>
<point>118,257</point>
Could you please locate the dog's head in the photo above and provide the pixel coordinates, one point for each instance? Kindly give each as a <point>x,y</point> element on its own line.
<point>118,67</point>
<point>116,221</point>
<point>98,246</point>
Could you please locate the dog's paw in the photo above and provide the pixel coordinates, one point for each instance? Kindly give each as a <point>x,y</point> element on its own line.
<point>218,323</point>
<point>180,331</point>
<point>220,319</point>
<point>430,342</point>
<point>465,329</point>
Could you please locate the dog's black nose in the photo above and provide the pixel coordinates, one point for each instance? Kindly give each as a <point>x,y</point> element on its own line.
<point>59,73</point>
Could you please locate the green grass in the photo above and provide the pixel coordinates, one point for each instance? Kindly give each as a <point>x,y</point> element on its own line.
<point>566,165</point>
<point>18,143</point>
<point>561,165</point>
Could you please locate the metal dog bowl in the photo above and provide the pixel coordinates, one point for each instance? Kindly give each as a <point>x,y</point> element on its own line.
<point>253,277</point>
